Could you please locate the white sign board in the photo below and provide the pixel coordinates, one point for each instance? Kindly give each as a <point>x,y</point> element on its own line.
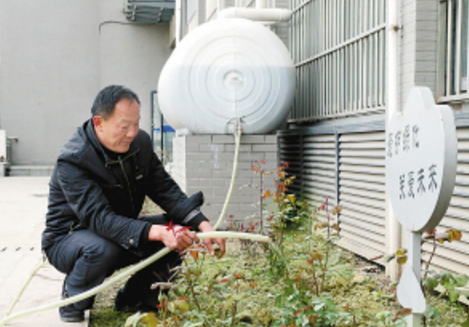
<point>421,159</point>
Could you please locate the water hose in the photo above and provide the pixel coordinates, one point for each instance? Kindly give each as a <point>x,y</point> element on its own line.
<point>13,304</point>
<point>237,135</point>
<point>147,261</point>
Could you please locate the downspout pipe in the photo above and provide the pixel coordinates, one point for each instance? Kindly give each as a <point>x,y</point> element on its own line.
<point>392,26</point>
<point>267,16</point>
<point>178,22</point>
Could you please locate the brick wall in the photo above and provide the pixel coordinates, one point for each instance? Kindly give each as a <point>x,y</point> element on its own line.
<point>205,163</point>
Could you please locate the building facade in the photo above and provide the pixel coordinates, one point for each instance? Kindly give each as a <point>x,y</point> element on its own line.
<point>336,138</point>
<point>56,55</point>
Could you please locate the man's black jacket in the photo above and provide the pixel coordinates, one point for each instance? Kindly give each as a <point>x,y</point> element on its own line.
<point>96,189</point>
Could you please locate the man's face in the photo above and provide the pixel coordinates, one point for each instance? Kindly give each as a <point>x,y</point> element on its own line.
<point>119,130</point>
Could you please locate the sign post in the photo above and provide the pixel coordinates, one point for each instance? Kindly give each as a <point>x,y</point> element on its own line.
<point>421,159</point>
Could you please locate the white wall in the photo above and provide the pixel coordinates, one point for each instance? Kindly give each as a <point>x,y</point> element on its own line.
<point>48,75</point>
<point>56,56</point>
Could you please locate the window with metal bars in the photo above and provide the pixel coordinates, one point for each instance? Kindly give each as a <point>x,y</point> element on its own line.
<point>338,47</point>
<point>454,55</point>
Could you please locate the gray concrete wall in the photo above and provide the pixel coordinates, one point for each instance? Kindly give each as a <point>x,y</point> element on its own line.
<point>56,56</point>
<point>205,162</point>
<point>49,73</point>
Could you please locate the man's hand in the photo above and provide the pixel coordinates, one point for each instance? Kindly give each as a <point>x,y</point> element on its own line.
<point>176,238</point>
<point>205,227</point>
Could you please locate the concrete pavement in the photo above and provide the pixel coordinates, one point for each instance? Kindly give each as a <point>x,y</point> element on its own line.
<point>23,205</point>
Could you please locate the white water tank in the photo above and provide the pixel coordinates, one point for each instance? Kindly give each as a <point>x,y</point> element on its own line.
<point>223,70</point>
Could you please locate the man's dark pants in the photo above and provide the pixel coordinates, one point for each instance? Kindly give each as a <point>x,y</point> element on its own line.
<point>87,259</point>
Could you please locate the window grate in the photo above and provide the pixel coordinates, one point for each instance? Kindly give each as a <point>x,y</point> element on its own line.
<point>338,47</point>
<point>454,50</point>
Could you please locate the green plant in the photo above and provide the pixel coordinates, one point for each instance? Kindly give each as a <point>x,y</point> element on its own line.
<point>258,169</point>
<point>304,300</point>
<point>289,210</point>
<point>249,227</point>
<point>299,308</point>
<point>336,210</point>
<point>388,319</point>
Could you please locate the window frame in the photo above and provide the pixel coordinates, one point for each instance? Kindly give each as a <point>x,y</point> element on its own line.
<point>449,79</point>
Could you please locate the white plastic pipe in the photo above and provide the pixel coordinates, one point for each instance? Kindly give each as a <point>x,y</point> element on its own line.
<point>178,22</point>
<point>274,15</point>
<point>394,236</point>
<point>260,4</point>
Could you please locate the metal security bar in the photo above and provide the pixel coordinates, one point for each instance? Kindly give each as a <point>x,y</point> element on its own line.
<point>454,15</point>
<point>338,47</point>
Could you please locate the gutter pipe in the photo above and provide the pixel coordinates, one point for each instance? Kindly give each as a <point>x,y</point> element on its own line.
<point>267,16</point>
<point>394,236</point>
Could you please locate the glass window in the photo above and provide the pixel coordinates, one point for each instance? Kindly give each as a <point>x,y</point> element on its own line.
<point>162,133</point>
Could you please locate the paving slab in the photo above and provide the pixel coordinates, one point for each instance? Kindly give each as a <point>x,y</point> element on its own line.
<point>44,288</point>
<point>23,205</point>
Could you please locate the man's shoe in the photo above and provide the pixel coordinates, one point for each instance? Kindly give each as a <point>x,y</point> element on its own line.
<point>123,304</point>
<point>68,313</point>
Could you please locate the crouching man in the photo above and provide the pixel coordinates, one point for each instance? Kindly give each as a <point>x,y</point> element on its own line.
<point>100,180</point>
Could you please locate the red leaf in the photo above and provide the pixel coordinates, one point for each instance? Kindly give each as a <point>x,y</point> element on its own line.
<point>263,162</point>
<point>169,226</point>
<point>225,280</point>
<point>433,231</point>
<point>281,187</point>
